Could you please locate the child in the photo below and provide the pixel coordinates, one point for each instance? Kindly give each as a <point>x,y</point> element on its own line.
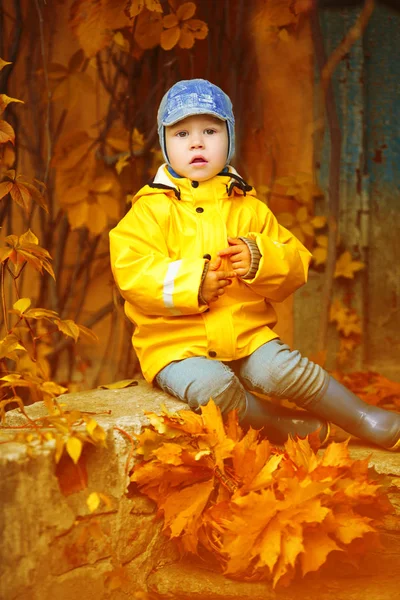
<point>198,260</point>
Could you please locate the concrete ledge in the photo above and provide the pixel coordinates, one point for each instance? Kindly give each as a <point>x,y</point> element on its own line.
<point>53,548</point>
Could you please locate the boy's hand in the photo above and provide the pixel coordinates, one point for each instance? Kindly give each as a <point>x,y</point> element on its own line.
<point>239,255</point>
<point>215,281</point>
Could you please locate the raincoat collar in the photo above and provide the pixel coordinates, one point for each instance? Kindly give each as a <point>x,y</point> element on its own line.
<point>228,183</point>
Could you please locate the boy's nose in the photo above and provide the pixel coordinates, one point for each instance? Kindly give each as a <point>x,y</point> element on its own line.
<point>197,143</point>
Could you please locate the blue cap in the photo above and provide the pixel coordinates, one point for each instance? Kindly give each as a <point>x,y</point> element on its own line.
<point>195,97</point>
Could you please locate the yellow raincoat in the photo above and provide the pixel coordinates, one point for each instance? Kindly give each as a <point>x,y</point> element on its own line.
<point>157,258</point>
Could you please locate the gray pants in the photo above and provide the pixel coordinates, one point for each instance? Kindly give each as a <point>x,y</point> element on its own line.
<point>273,369</point>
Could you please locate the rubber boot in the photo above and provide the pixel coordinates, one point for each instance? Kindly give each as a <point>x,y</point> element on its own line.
<point>278,422</point>
<point>370,423</point>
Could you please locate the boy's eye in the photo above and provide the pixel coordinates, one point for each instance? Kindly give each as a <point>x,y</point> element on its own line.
<point>210,131</point>
<point>181,134</point>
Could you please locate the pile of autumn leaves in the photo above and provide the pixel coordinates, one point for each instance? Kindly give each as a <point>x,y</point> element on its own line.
<point>261,511</point>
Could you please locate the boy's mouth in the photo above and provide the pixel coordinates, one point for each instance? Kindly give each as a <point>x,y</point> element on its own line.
<point>198,160</point>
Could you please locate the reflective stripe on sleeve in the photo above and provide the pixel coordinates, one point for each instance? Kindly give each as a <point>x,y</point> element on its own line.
<point>169,283</point>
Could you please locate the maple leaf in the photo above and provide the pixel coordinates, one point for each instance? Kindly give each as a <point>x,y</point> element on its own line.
<point>347,320</point>
<point>262,512</point>
<point>302,188</point>
<point>300,223</point>
<point>346,266</point>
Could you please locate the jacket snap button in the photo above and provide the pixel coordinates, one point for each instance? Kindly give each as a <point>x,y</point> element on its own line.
<point>207,256</point>
<point>199,209</point>
<point>212,353</point>
<point>195,184</point>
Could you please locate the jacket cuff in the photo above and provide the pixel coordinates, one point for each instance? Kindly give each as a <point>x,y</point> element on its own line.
<point>255,255</point>
<point>203,276</point>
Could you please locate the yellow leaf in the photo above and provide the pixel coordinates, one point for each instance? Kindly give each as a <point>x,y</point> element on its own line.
<point>318,222</point>
<point>307,228</point>
<point>349,526</point>
<point>121,41</point>
<point>88,333</point>
<point>59,448</point>
<point>71,149</point>
<point>119,385</point>
<point>170,37</point>
<point>20,194</point>
<point>154,5</point>
<point>317,546</point>
<point>186,11</point>
<point>68,328</point>
<point>6,100</point>
<point>8,345</point>
<point>22,305</point>
<point>346,266</point>
<point>302,214</point>
<point>320,255</point>
<point>283,35</point>
<point>95,431</point>
<point>7,133</point>
<point>286,219</point>
<point>74,448</point>
<point>96,219</point>
<point>4,63</point>
<point>322,240</point>
<point>13,377</point>
<point>122,162</point>
<point>93,501</point>
<point>5,188</point>
<point>52,388</point>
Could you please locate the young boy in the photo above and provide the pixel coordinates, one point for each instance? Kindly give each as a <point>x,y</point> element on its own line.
<point>198,260</point>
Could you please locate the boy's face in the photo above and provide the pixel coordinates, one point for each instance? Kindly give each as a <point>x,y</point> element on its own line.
<point>197,147</point>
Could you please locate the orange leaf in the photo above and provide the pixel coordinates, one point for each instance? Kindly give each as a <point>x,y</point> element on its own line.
<point>317,546</point>
<point>170,37</point>
<point>148,29</point>
<point>170,20</point>
<point>5,188</point>
<point>20,194</point>
<point>3,63</point>
<point>94,22</point>
<point>186,11</point>
<point>186,39</point>
<point>200,31</point>
<point>6,100</point>
<point>7,133</point>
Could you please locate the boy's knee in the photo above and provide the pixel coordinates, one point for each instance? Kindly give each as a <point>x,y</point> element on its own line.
<point>226,391</point>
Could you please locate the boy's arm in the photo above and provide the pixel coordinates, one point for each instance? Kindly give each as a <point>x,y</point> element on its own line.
<point>145,274</point>
<point>284,261</point>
